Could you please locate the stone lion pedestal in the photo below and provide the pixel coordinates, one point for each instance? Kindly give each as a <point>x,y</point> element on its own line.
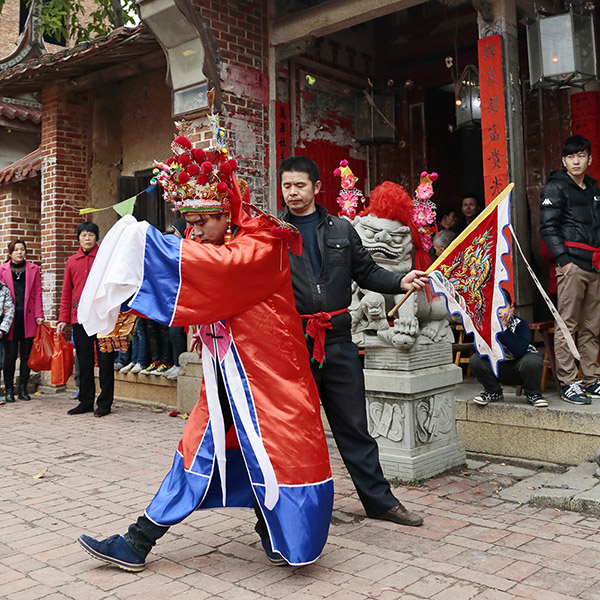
<point>410,408</point>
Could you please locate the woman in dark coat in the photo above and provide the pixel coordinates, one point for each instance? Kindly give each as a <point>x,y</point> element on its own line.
<point>24,282</point>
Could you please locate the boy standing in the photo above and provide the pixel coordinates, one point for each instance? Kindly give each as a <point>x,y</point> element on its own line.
<point>570,226</point>
<point>522,364</point>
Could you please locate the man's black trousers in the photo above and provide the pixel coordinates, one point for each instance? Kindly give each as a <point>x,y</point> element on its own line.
<point>341,387</point>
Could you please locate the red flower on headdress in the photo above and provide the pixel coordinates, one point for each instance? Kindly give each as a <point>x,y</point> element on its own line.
<point>182,141</point>
<point>193,169</point>
<point>222,187</point>
<point>183,159</point>
<point>225,168</point>
<point>206,167</point>
<point>198,154</point>
<point>183,177</point>
<point>170,161</point>
<point>202,179</point>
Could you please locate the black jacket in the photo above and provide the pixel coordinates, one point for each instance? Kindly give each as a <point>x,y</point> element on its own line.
<point>343,259</point>
<point>566,214</point>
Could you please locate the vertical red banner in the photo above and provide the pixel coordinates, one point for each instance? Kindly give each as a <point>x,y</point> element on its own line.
<point>493,121</point>
<point>585,119</point>
<point>282,136</point>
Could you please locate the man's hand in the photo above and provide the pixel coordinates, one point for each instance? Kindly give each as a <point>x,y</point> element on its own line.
<point>39,320</point>
<point>566,267</point>
<point>1,334</point>
<point>60,328</point>
<point>415,280</point>
<point>504,319</point>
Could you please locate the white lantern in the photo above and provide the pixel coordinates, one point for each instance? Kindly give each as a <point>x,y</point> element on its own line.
<point>467,98</point>
<point>562,50</point>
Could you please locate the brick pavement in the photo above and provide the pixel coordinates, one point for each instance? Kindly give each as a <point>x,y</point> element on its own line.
<point>101,473</point>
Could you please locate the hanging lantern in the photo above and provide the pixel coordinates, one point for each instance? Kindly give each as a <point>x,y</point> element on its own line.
<point>562,50</point>
<point>375,118</point>
<point>467,99</point>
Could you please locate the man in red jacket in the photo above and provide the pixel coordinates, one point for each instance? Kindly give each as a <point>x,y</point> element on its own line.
<point>76,273</point>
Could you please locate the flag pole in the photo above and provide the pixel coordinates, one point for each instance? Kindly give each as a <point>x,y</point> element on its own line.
<point>491,207</point>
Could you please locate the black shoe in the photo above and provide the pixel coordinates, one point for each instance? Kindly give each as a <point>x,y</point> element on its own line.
<point>593,391</point>
<point>80,409</point>
<point>9,395</point>
<point>574,394</point>
<point>23,395</point>
<point>114,551</point>
<point>101,412</point>
<point>274,557</point>
<point>401,515</point>
<point>484,398</point>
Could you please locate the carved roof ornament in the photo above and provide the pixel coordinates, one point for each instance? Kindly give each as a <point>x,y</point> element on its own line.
<point>30,43</point>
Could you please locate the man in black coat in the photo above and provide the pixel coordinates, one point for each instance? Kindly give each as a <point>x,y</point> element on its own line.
<point>333,256</point>
<point>570,226</point>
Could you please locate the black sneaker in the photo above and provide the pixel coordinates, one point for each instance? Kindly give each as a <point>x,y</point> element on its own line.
<point>593,391</point>
<point>275,558</point>
<point>485,398</point>
<point>574,394</point>
<point>537,400</point>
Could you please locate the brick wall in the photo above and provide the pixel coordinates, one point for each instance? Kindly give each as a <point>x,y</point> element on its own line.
<point>20,217</point>
<point>240,28</point>
<point>65,172</point>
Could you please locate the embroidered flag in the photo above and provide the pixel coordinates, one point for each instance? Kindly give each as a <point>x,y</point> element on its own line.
<point>469,274</point>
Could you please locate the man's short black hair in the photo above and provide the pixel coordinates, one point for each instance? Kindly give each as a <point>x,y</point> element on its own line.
<point>575,144</point>
<point>301,164</point>
<point>88,226</point>
<point>444,211</point>
<point>508,298</point>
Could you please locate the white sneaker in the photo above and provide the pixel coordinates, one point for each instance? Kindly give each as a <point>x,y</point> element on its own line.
<point>136,369</point>
<point>174,374</point>
<point>168,372</point>
<point>127,368</point>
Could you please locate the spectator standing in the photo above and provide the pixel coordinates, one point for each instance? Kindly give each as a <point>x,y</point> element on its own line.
<point>570,226</point>
<point>7,311</point>
<point>76,274</point>
<point>22,278</point>
<point>470,207</point>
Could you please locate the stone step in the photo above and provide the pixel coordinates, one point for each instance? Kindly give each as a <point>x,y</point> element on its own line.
<point>562,433</point>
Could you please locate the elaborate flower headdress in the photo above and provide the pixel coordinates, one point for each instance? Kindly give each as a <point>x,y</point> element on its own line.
<point>349,195</point>
<point>194,180</point>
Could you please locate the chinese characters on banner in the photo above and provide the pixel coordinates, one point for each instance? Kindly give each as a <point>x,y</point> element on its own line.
<point>493,126</point>
<point>282,136</point>
<point>585,119</point>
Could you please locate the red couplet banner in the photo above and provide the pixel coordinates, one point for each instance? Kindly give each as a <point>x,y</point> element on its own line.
<point>493,123</point>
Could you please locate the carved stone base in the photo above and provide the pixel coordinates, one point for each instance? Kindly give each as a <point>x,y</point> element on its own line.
<point>412,417</point>
<point>393,359</point>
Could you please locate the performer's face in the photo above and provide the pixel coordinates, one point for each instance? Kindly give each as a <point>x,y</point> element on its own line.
<point>299,192</point>
<point>208,229</point>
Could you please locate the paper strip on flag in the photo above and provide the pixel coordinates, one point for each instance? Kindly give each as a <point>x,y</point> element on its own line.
<point>469,273</point>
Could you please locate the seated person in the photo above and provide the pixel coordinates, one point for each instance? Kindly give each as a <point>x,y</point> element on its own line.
<point>522,364</point>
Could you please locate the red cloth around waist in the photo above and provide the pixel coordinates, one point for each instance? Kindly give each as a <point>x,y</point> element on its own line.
<point>315,328</point>
<point>595,252</point>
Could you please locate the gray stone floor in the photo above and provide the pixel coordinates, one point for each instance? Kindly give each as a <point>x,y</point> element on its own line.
<point>63,476</point>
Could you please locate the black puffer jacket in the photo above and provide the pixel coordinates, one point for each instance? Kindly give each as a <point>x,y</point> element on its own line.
<point>566,214</point>
<point>343,259</point>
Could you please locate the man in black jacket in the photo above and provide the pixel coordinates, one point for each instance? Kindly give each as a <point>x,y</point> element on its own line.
<point>570,226</point>
<point>333,256</point>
